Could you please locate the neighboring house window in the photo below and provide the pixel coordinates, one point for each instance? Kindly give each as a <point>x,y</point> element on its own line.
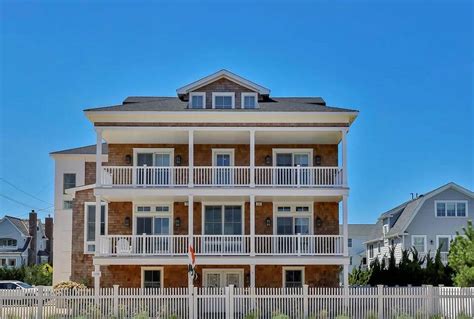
<point>223,100</point>
<point>419,243</point>
<point>443,242</point>
<point>12,262</point>
<point>293,277</point>
<point>89,229</point>
<point>371,251</point>
<point>364,261</point>
<point>67,204</point>
<point>349,242</point>
<point>198,100</point>
<point>3,262</point>
<point>378,248</point>
<point>8,242</point>
<point>152,277</point>
<point>249,100</point>
<point>451,208</point>
<point>69,181</point>
<point>350,260</point>
<point>392,242</point>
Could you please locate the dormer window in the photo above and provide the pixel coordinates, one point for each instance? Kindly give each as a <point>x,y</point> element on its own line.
<point>223,100</point>
<point>197,100</point>
<point>249,100</point>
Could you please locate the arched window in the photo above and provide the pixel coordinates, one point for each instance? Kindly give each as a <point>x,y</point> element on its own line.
<point>8,242</point>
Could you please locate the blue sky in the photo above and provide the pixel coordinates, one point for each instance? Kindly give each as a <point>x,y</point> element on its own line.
<point>406,65</point>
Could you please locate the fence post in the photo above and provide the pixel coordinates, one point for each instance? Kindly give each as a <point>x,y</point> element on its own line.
<point>231,301</point>
<point>40,299</point>
<point>429,292</point>
<point>195,303</point>
<point>116,300</point>
<point>190,301</point>
<point>226,303</point>
<point>380,301</point>
<point>305,301</point>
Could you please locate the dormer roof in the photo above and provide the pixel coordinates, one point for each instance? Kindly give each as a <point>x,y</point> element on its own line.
<point>219,75</point>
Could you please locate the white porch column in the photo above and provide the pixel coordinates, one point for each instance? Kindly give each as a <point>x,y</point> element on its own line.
<point>98,158</point>
<point>252,225</point>
<point>252,275</point>
<point>252,158</point>
<point>98,208</point>
<point>190,232</point>
<point>191,158</point>
<point>344,157</point>
<point>96,274</point>
<point>345,238</point>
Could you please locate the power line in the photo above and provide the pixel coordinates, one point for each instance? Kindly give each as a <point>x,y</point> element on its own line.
<point>24,192</point>
<point>24,204</point>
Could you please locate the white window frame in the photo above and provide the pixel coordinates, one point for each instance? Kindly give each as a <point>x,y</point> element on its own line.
<point>450,238</point>
<point>153,151</point>
<point>86,243</point>
<point>162,276</point>
<point>221,272</point>
<point>284,269</point>
<point>446,208</point>
<point>293,151</point>
<point>203,94</point>
<point>153,214</point>
<point>229,151</point>
<point>215,94</point>
<point>222,204</point>
<point>242,99</point>
<point>425,243</point>
<point>371,251</point>
<point>293,213</point>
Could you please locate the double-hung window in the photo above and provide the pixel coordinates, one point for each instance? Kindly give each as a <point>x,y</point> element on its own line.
<point>451,208</point>
<point>152,277</point>
<point>293,277</point>
<point>90,218</point>
<point>223,100</point>
<point>419,243</point>
<point>69,181</point>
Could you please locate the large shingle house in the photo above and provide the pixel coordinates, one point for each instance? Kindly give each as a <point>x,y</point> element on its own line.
<point>426,222</point>
<point>255,185</point>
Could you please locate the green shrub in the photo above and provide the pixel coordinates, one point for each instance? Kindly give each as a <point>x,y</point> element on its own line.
<point>253,314</point>
<point>141,315</point>
<point>280,316</point>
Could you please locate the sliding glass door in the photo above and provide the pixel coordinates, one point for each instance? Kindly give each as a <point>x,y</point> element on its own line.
<point>224,227</point>
<point>154,168</point>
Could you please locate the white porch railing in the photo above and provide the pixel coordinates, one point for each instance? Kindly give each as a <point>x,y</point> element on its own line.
<point>214,176</point>
<point>143,245</point>
<point>299,245</point>
<point>217,245</point>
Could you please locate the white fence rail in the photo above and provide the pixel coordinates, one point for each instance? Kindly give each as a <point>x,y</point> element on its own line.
<point>142,245</point>
<point>299,245</point>
<point>240,303</point>
<point>219,176</point>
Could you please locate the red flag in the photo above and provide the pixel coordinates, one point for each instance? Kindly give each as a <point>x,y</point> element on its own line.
<point>192,256</point>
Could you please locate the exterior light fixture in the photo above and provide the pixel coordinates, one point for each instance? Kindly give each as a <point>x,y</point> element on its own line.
<point>177,160</point>
<point>268,160</point>
<point>126,222</point>
<point>128,159</point>
<point>268,221</point>
<point>319,222</point>
<point>317,160</point>
<point>258,204</point>
<point>177,222</point>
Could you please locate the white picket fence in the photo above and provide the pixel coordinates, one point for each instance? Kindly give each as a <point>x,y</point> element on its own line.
<point>240,303</point>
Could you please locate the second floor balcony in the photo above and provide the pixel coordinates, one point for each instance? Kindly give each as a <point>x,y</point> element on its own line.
<point>221,176</point>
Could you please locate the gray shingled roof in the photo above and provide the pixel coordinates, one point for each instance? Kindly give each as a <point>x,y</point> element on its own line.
<point>83,150</point>
<point>174,104</point>
<point>358,229</point>
<point>21,224</point>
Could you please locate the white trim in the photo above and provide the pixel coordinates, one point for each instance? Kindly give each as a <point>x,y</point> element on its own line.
<point>222,74</point>
<point>203,94</point>
<point>230,151</point>
<point>222,204</point>
<point>72,191</point>
<point>152,214</point>
<point>86,243</point>
<point>216,94</point>
<point>294,214</point>
<point>425,243</point>
<point>141,150</point>
<point>242,99</point>
<point>446,208</point>
<point>450,238</point>
<point>143,269</point>
<point>293,151</point>
<point>223,271</point>
<point>283,273</point>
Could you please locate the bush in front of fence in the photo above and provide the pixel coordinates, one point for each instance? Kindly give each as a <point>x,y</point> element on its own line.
<point>37,275</point>
<point>461,257</point>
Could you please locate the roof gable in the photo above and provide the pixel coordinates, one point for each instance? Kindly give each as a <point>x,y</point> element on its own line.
<point>18,224</point>
<point>219,75</point>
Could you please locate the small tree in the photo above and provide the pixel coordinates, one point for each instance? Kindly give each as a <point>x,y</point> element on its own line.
<point>359,277</point>
<point>461,257</point>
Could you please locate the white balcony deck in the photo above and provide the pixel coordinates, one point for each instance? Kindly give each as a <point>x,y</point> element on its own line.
<point>221,245</point>
<point>232,176</point>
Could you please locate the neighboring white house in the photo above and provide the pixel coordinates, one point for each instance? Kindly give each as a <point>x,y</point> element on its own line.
<point>425,223</point>
<point>358,235</point>
<point>15,241</point>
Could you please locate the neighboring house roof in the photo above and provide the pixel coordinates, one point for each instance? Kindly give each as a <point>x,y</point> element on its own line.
<point>174,104</point>
<point>20,224</point>
<point>223,74</point>
<point>402,215</point>
<point>83,150</point>
<point>359,230</point>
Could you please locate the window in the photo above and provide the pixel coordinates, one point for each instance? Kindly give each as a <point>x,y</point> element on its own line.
<point>293,277</point>
<point>153,220</point>
<point>364,261</point>
<point>223,100</point>
<point>349,242</point>
<point>443,242</point>
<point>67,204</point>
<point>378,248</point>
<point>249,100</point>
<point>198,100</point>
<point>371,251</point>
<point>12,262</point>
<point>419,243</point>
<point>350,260</point>
<point>69,181</point>
<point>215,278</point>
<point>89,229</point>
<point>8,242</point>
<point>152,277</point>
<point>223,220</point>
<point>292,220</point>
<point>451,208</point>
